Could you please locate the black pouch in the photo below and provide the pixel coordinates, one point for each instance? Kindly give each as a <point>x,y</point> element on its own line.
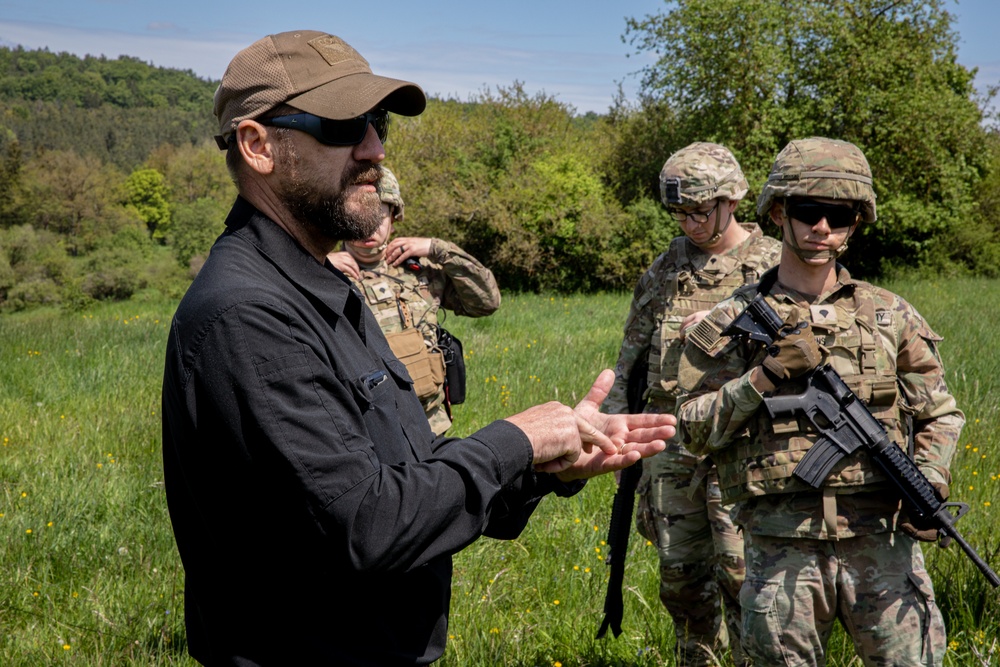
<point>454,366</point>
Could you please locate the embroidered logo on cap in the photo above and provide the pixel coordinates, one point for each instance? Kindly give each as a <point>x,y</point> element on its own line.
<point>334,50</point>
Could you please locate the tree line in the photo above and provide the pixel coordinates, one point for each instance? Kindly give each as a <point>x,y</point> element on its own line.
<point>110,183</point>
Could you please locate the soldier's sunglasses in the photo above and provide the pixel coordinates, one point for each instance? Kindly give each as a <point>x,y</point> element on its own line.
<point>335,132</point>
<point>811,212</point>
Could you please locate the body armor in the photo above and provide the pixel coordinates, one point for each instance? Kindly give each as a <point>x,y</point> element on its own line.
<point>693,280</point>
<point>860,337</point>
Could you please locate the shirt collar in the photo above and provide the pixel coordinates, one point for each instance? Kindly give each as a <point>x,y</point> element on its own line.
<point>323,281</point>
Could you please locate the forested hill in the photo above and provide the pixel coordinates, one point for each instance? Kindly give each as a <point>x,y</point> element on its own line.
<point>118,110</point>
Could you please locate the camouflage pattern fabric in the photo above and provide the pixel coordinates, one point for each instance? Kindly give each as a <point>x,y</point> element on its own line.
<point>819,168</point>
<point>877,585</point>
<point>887,354</point>
<point>401,298</point>
<point>680,509</point>
<point>685,524</point>
<point>875,340</point>
<point>683,280</point>
<point>702,171</point>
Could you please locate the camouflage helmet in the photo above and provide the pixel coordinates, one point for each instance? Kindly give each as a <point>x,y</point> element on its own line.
<point>699,173</point>
<point>388,191</point>
<point>823,169</point>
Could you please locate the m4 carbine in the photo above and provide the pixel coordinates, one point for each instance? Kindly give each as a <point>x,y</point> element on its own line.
<point>844,425</point>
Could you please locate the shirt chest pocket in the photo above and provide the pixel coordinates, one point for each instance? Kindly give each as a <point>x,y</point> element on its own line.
<point>375,393</point>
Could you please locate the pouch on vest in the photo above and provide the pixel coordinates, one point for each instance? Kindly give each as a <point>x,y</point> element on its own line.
<point>454,366</point>
<point>425,369</point>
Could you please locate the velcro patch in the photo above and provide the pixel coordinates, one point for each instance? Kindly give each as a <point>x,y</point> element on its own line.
<point>823,315</point>
<point>707,336</point>
<point>335,50</point>
<point>883,318</point>
<point>381,291</point>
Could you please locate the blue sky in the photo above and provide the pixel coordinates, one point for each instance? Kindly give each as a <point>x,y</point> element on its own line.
<point>568,48</point>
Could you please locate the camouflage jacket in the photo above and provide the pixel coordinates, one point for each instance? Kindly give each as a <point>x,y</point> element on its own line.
<point>402,297</point>
<point>448,278</point>
<point>683,280</point>
<point>882,348</point>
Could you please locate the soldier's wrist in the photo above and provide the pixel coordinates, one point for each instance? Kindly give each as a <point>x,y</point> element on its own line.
<point>762,380</point>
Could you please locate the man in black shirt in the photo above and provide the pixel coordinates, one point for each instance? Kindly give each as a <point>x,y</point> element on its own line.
<point>314,511</point>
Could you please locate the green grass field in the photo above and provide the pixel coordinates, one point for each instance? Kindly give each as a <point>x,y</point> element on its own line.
<point>90,574</point>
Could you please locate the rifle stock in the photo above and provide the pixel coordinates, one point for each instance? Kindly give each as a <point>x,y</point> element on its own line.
<point>844,425</point>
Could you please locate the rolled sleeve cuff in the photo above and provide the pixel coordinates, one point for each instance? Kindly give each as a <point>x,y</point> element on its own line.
<point>746,398</point>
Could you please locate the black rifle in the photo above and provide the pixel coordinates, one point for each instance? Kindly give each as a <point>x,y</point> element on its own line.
<point>844,425</point>
<point>621,511</point>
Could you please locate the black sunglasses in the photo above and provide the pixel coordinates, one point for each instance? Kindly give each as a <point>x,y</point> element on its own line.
<point>335,132</point>
<point>810,212</point>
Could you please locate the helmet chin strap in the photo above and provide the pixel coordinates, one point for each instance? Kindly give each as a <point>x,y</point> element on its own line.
<point>719,229</point>
<point>788,237</point>
<point>370,253</point>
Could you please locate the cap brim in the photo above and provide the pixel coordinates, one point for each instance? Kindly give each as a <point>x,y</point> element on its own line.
<point>350,96</point>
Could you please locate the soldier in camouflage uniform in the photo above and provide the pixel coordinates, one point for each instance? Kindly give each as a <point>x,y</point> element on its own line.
<point>845,550</point>
<point>405,281</point>
<point>701,554</point>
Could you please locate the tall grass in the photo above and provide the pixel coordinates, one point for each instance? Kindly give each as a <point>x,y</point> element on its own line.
<point>90,574</point>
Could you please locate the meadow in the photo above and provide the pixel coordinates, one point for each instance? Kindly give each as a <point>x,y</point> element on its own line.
<point>90,575</point>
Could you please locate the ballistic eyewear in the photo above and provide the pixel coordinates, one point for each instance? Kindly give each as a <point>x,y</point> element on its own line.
<point>810,212</point>
<point>335,132</point>
<point>699,217</point>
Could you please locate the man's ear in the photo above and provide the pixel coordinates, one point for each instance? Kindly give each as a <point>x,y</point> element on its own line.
<point>256,145</point>
<point>777,214</point>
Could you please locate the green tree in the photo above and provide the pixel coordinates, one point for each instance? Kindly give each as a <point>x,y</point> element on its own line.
<point>147,193</point>
<point>75,196</point>
<point>196,226</point>
<point>754,74</point>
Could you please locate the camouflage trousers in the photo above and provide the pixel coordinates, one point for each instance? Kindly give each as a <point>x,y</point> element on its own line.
<point>875,584</point>
<point>701,556</point>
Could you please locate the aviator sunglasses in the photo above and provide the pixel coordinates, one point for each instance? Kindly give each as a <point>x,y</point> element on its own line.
<point>810,212</point>
<point>335,132</point>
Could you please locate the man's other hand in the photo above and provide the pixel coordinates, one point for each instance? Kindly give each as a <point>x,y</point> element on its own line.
<point>583,442</point>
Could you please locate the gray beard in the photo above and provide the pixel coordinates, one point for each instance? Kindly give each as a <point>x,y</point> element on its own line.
<point>324,211</point>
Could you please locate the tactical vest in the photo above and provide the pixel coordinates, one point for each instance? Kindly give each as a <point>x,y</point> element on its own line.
<point>400,298</point>
<point>862,342</point>
<point>694,281</point>
<point>406,310</point>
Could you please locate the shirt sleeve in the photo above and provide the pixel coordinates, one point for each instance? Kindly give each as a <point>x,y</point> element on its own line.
<point>470,288</point>
<point>351,449</point>
<point>717,398</point>
<point>638,334</point>
<point>937,421</point>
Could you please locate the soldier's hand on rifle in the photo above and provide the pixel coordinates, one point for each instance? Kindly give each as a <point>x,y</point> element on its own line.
<point>924,533</point>
<point>794,353</point>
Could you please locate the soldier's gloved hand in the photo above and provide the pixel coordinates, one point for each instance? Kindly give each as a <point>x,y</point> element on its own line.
<point>794,353</point>
<point>919,530</point>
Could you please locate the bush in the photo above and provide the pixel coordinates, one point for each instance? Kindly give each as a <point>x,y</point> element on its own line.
<point>195,227</point>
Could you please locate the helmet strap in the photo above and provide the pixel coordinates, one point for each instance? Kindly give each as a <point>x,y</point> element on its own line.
<point>788,237</point>
<point>719,229</point>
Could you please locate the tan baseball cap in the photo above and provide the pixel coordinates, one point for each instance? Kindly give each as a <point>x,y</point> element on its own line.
<point>318,73</point>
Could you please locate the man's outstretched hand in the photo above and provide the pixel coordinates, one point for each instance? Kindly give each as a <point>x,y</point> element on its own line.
<point>582,442</point>
<point>632,437</point>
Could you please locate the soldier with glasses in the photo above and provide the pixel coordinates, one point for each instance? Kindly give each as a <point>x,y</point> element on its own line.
<point>680,511</point>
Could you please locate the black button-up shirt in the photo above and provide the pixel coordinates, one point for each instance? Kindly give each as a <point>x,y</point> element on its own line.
<point>314,512</point>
